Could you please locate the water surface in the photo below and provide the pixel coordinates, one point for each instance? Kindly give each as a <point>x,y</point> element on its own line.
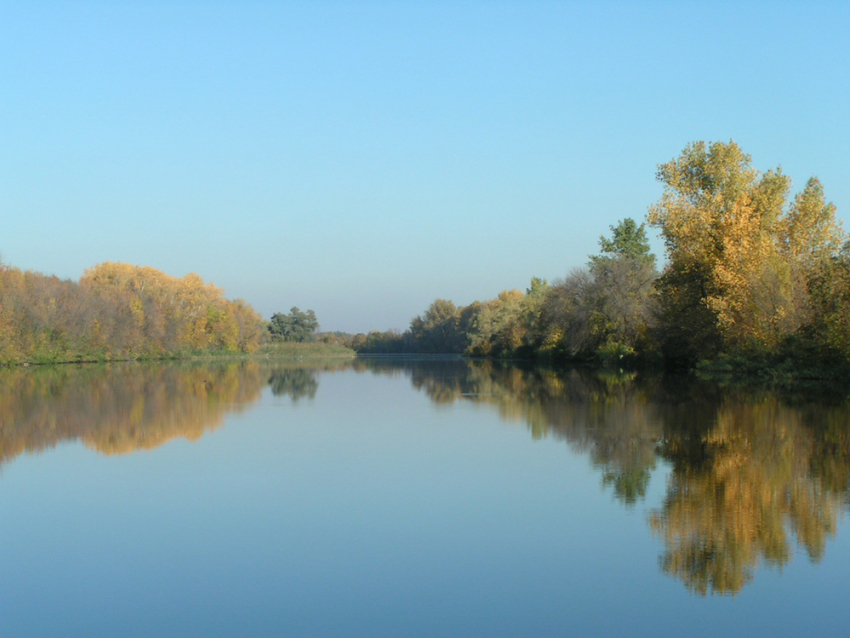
<point>416,498</point>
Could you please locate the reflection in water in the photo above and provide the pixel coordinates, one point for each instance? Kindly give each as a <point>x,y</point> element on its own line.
<point>121,408</point>
<point>741,489</point>
<point>296,383</point>
<point>607,416</point>
<point>750,471</point>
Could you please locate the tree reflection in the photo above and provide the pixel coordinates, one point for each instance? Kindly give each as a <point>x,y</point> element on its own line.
<point>752,472</point>
<point>605,416</point>
<point>629,485</point>
<point>119,408</point>
<point>742,491</point>
<point>123,407</point>
<point>296,383</point>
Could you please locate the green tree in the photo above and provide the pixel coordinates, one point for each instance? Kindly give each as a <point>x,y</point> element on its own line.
<point>606,309</point>
<point>628,240</point>
<point>622,294</point>
<point>296,326</point>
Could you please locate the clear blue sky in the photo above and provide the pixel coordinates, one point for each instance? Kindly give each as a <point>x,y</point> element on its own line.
<point>364,158</point>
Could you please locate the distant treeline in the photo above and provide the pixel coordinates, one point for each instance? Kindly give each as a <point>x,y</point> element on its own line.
<point>752,275</point>
<point>119,311</point>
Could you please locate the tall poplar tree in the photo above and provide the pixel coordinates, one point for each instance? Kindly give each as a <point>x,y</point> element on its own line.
<point>739,259</point>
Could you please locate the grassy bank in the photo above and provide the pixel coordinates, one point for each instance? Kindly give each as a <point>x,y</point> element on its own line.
<point>276,350</point>
<point>303,350</point>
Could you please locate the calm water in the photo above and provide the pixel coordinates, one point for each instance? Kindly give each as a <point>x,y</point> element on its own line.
<point>430,498</point>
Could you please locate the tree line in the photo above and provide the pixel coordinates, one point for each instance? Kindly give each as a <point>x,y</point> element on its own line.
<point>119,311</point>
<point>751,274</point>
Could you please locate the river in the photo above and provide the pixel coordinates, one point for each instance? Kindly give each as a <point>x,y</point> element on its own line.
<point>395,497</point>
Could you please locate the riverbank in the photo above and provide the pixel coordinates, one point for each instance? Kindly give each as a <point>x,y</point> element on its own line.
<point>304,350</point>
<point>270,350</point>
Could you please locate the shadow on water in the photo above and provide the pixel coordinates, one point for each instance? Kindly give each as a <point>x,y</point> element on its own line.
<point>752,472</point>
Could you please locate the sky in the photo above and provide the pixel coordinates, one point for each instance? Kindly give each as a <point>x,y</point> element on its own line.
<point>362,159</point>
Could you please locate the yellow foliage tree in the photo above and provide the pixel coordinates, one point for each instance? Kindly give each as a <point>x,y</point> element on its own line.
<point>177,313</point>
<point>739,263</point>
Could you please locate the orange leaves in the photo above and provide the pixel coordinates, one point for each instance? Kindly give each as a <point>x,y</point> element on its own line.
<point>189,314</point>
<point>749,256</point>
<point>118,311</point>
<point>810,232</point>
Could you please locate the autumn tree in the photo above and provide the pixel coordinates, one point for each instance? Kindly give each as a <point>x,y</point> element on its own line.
<point>437,329</point>
<point>828,334</point>
<point>811,244</point>
<point>497,328</point>
<point>118,311</point>
<point>164,314</point>
<point>739,258</point>
<point>508,325</point>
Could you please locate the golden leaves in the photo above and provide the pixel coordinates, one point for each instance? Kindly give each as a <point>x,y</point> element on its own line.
<point>748,256</point>
<point>118,311</point>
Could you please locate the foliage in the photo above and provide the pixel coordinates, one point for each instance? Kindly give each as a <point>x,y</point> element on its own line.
<point>829,285</point>
<point>297,326</point>
<point>437,329</point>
<point>750,276</point>
<point>118,311</point>
<point>499,327</point>
<point>623,295</point>
<point>628,240</point>
<point>741,259</point>
<point>604,311</point>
